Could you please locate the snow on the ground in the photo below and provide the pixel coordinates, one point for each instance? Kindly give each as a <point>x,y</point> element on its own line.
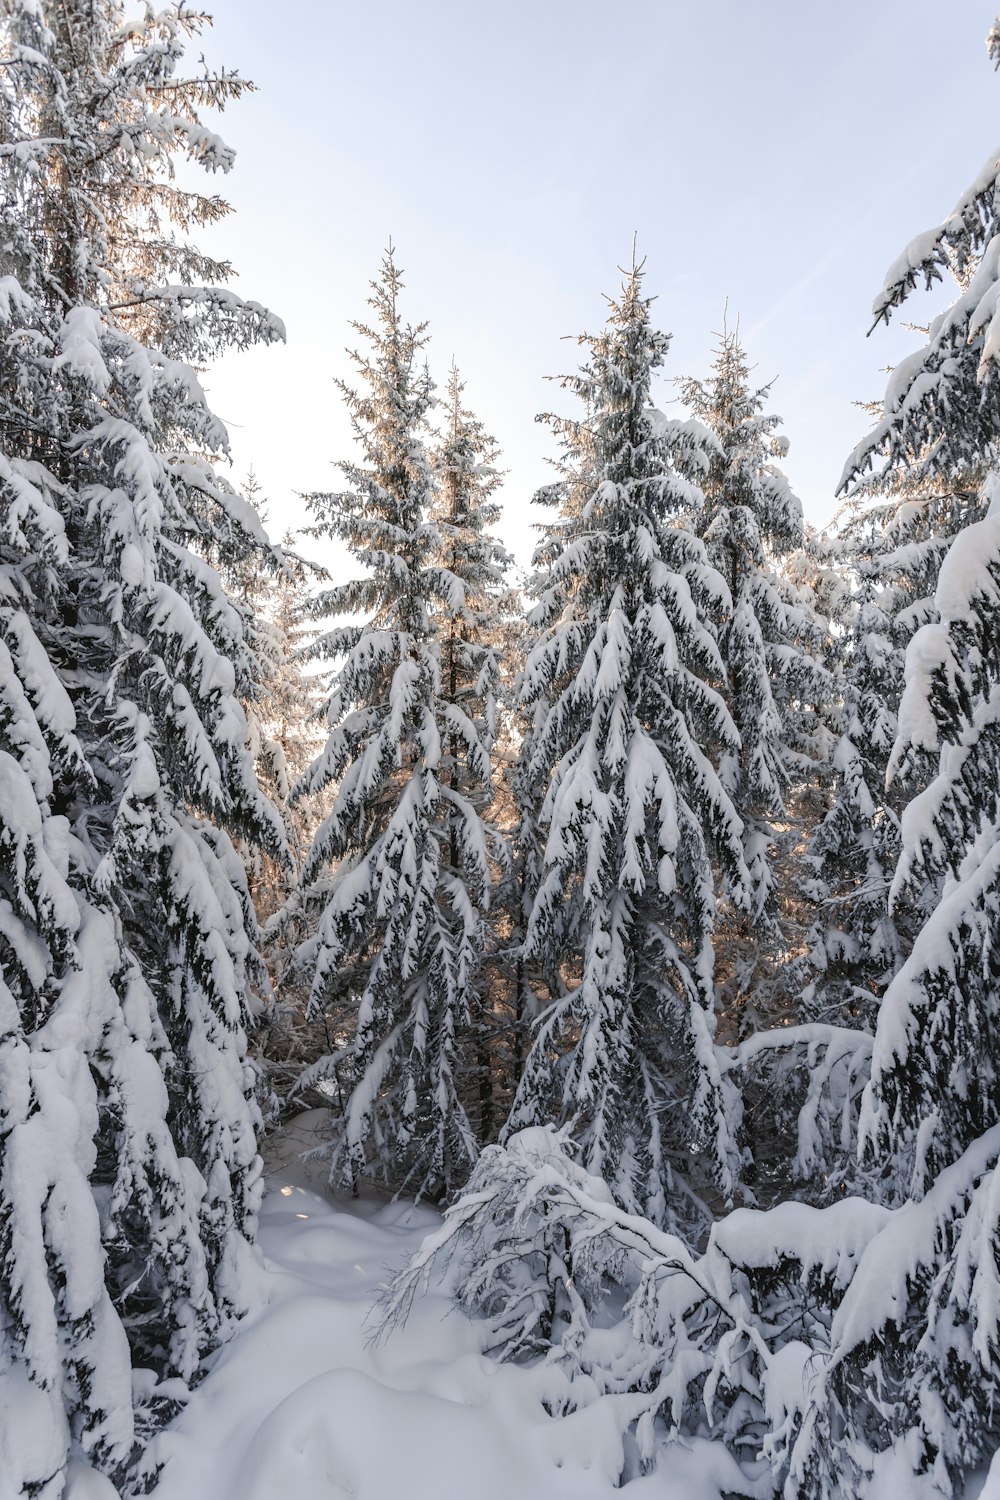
<point>300,1406</point>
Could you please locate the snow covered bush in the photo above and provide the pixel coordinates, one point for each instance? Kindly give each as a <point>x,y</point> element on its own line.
<point>834,1351</point>
<point>617,1307</point>
<point>908,1393</point>
<point>725,1345</point>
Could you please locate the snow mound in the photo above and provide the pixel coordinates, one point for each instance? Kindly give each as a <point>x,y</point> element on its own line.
<point>301,1404</point>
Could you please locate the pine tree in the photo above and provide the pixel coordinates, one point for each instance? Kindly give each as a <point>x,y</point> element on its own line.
<point>397,953</point>
<point>892,538</point>
<point>618,689</point>
<point>935,1071</point>
<point>856,945</point>
<point>284,715</point>
<point>912,1374</point>
<point>751,523</point>
<point>285,709</point>
<point>917,474</point>
<point>536,971</point>
<point>472,629</point>
<point>939,412</point>
<point>533,977</point>
<point>129,1176</point>
<point>937,432</point>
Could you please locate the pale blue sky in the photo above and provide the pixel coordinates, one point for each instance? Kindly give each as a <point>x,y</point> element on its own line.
<point>778,153</point>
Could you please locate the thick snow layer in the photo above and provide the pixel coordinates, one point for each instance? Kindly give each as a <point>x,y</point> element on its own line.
<point>300,1404</point>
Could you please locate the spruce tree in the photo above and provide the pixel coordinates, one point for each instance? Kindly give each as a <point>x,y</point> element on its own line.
<point>398,949</point>
<point>472,628</point>
<point>129,1175</point>
<point>285,732</point>
<point>618,687</point>
<point>935,1083</point>
<point>937,432</point>
<point>922,462</point>
<point>751,524</point>
<point>285,708</point>
<point>856,946</point>
<point>912,1373</point>
<point>911,1379</point>
<point>891,540</point>
<point>749,520</point>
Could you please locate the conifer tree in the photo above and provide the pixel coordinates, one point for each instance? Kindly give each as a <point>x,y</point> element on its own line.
<point>938,430</point>
<point>472,627</point>
<point>913,1367</point>
<point>892,539</point>
<point>914,483</point>
<point>285,709</point>
<point>749,522</point>
<point>618,689</point>
<point>399,943</point>
<point>537,971</point>
<point>934,1073</point>
<point>856,944</point>
<point>534,976</point>
<point>911,1379</point>
<point>129,1176</point>
<point>772,642</point>
<point>285,733</point>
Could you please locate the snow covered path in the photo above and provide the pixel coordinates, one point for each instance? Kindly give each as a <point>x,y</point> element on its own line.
<point>300,1407</point>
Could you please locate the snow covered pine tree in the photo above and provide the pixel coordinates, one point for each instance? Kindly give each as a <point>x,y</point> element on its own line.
<point>633,811</point>
<point>472,632</point>
<point>910,1398</point>
<point>896,528</point>
<point>285,713</point>
<point>401,933</point>
<point>750,522</point>
<point>129,1175</point>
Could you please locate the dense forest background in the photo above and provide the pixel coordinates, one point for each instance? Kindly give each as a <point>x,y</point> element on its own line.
<point>643,912</point>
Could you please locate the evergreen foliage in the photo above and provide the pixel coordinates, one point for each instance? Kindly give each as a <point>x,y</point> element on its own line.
<point>129,1174</point>
<point>934,1072</point>
<point>932,1089</point>
<point>930,1111</point>
<point>285,712</point>
<point>618,688</point>
<point>750,522</point>
<point>939,411</point>
<point>856,945</point>
<point>600,956</point>
<point>895,532</point>
<point>850,1349</point>
<point>397,955</point>
<point>473,629</point>
<point>778,687</point>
